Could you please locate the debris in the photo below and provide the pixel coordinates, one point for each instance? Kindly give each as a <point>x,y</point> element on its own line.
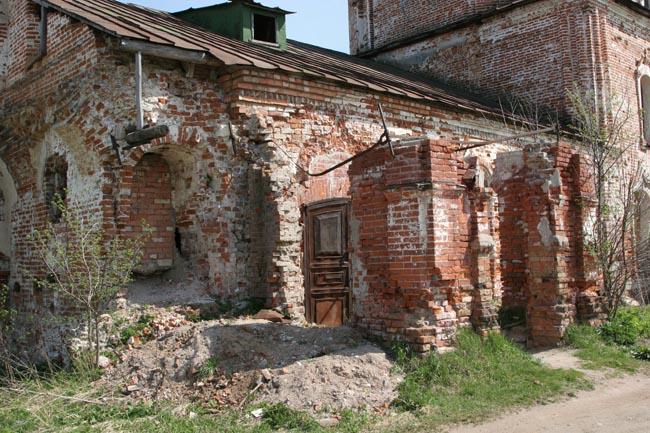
<point>103,362</point>
<point>266,375</point>
<point>328,422</point>
<point>257,413</point>
<point>270,315</point>
<point>254,362</point>
<point>131,388</point>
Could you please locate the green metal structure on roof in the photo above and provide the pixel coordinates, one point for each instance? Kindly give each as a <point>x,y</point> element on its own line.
<point>244,20</point>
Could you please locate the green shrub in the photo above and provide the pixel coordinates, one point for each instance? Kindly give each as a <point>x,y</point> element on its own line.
<point>641,352</point>
<point>627,327</point>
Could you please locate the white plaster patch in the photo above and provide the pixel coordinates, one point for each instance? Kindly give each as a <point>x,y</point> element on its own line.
<point>508,164</point>
<point>544,229</point>
<point>423,206</point>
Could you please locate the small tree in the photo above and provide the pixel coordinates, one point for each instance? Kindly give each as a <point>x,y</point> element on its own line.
<point>85,265</point>
<point>615,174</point>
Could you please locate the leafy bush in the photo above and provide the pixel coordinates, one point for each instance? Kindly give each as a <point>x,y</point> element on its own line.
<point>84,264</point>
<point>627,327</point>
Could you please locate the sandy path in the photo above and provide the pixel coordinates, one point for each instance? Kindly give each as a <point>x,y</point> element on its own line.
<point>619,405</point>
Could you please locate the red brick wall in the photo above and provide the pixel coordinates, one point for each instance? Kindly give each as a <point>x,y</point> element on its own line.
<point>332,185</point>
<point>23,36</point>
<point>151,201</point>
<point>72,52</point>
<point>535,52</point>
<point>628,38</point>
<point>412,243</point>
<point>393,20</point>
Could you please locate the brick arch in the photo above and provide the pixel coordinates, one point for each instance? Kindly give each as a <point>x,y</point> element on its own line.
<point>151,201</point>
<point>335,184</point>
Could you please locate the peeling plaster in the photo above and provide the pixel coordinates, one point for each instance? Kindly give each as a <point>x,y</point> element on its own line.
<point>544,229</point>
<point>423,212</point>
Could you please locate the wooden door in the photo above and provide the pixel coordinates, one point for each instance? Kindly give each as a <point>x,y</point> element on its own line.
<point>327,266</point>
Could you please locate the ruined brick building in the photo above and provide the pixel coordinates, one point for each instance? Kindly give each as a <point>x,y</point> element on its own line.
<point>409,240</point>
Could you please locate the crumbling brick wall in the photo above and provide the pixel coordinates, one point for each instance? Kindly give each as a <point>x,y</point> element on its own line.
<point>236,139</point>
<point>535,52</point>
<point>411,242</point>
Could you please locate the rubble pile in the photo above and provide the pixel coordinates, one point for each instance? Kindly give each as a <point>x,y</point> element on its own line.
<point>236,362</point>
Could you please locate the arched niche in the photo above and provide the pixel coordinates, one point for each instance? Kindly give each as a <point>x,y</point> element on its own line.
<point>151,195</point>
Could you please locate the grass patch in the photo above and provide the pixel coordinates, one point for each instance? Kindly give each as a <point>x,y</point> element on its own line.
<point>279,416</point>
<point>481,377</point>
<point>226,309</point>
<point>69,402</point>
<point>596,353</point>
<point>209,368</point>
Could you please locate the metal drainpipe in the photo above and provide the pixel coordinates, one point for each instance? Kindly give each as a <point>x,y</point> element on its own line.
<point>139,120</point>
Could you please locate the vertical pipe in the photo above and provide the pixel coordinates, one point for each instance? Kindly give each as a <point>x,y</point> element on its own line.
<point>139,120</point>
<point>42,30</point>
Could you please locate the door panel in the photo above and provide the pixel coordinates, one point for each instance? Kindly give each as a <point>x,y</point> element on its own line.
<point>327,268</point>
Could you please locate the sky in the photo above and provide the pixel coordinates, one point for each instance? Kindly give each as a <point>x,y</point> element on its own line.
<point>318,22</point>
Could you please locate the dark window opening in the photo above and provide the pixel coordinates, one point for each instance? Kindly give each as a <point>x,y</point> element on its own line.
<point>56,183</point>
<point>264,28</point>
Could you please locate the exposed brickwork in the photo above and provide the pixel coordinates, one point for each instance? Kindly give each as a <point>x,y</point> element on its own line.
<point>439,239</point>
<point>151,202</point>
<point>4,41</point>
<point>374,24</point>
<point>535,51</point>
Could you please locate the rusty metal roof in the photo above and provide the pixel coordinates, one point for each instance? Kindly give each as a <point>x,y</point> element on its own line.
<point>131,22</point>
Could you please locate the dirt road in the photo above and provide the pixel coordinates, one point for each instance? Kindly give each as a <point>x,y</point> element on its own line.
<point>620,405</point>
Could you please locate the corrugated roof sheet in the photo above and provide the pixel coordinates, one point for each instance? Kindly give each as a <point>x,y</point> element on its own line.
<point>149,25</point>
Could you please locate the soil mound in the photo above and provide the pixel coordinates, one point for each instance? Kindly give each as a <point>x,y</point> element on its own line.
<point>235,362</point>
